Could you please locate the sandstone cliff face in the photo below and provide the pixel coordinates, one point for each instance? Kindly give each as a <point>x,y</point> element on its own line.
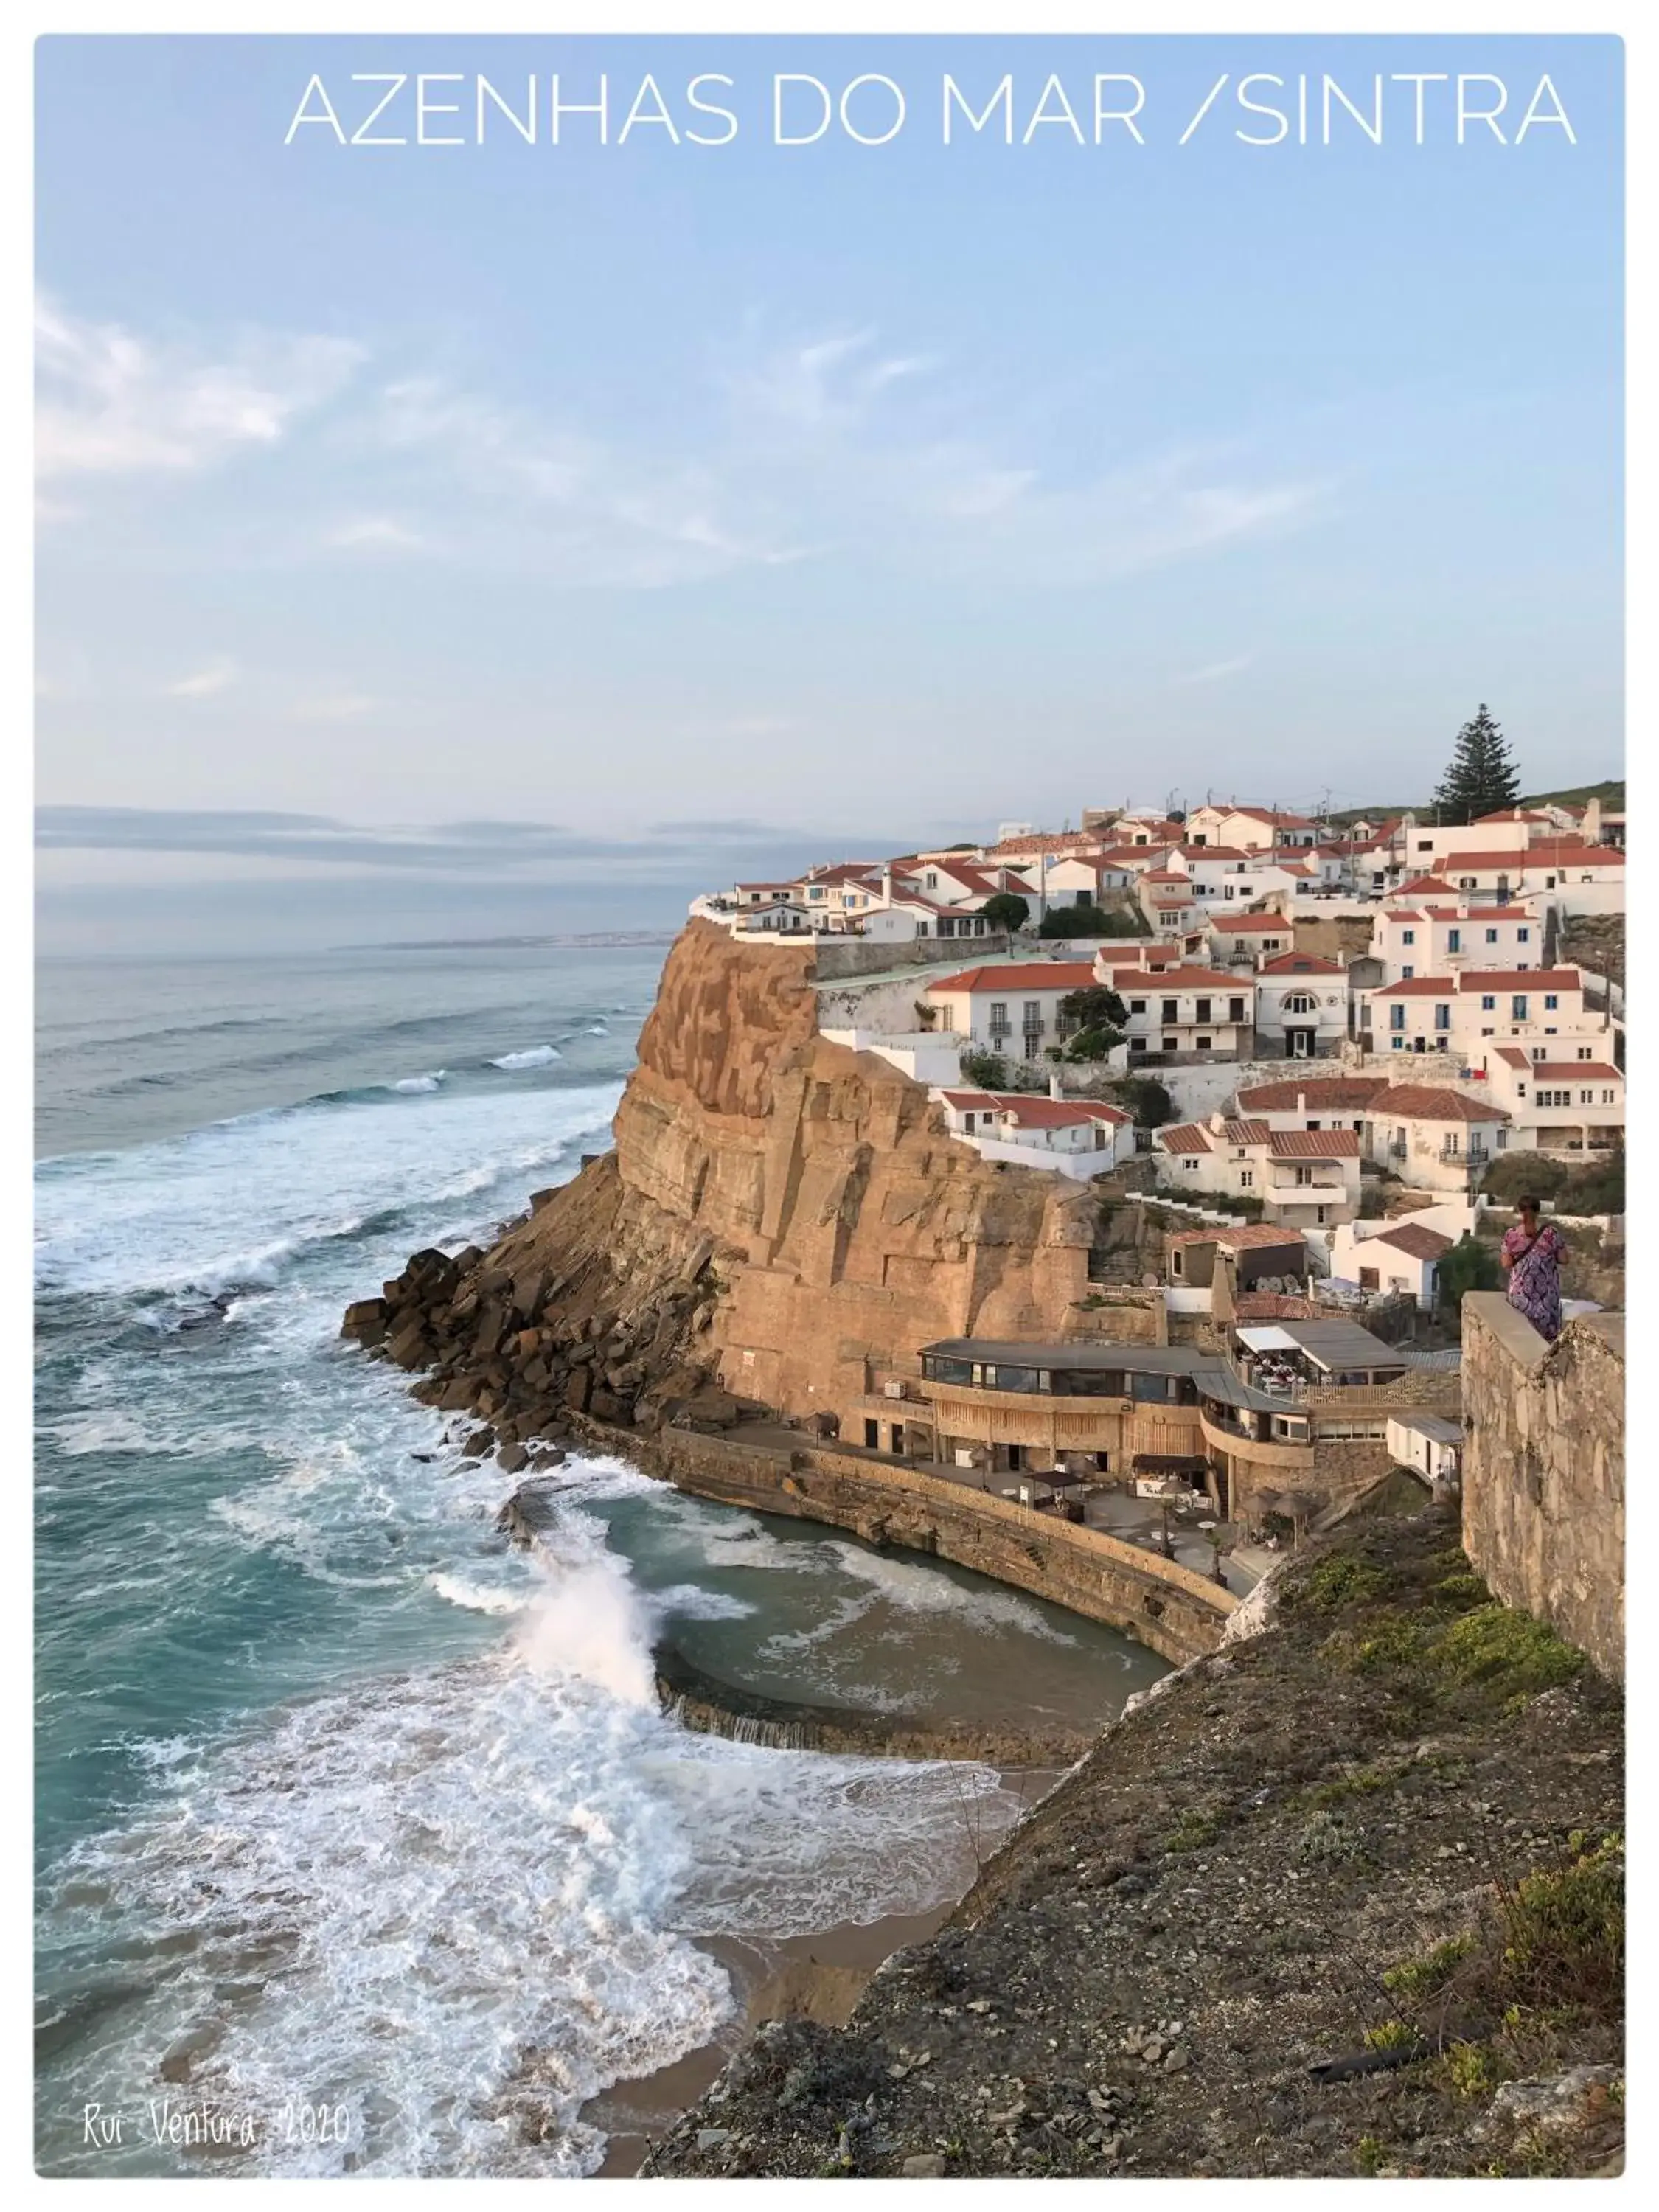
<point>845,1228</point>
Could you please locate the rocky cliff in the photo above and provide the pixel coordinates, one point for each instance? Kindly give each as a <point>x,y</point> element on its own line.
<point>782,1217</point>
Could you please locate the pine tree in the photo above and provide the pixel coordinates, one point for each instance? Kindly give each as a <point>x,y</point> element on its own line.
<point>1482,777</point>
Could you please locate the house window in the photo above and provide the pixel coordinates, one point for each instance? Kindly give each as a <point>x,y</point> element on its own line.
<point>1137,1044</point>
<point>1587,1099</point>
<point>1551,1002</point>
<point>1396,1018</point>
<point>1320,1214</point>
<point>1488,1006</point>
<point>1169,1010</point>
<point>930,881</point>
<point>1453,940</point>
<point>1203,1044</point>
<point>947,1017</point>
<point>1137,1005</point>
<point>1191,1166</point>
<point>1443,1017</point>
<point>1491,937</point>
<point>1408,937</point>
<point>1171,1044</point>
<point>1518,1007</point>
<point>1235,1010</point>
<point>1246,1177</point>
<point>1305,1176</point>
<point>1202,1011</point>
<point>1607,1098</point>
<point>1406,973</point>
<point>1523,937</point>
<point>1466,883</point>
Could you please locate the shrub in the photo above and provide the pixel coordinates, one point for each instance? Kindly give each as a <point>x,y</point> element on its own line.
<point>1343,1580</point>
<point>1565,1927</point>
<point>1506,1650</point>
<point>1519,1173</point>
<point>1416,1979</point>
<point>1006,910</point>
<point>1089,921</point>
<point>988,1071</point>
<point>1147,1099</point>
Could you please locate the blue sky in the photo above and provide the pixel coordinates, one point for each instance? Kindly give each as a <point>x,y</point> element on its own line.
<point>830,496</point>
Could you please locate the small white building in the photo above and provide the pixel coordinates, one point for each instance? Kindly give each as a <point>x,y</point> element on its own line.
<point>1009,1006</point>
<point>1301,1006</point>
<point>1306,1178</point>
<point>1401,1255</point>
<point>1423,937</point>
<point>1430,1445</point>
<point>1180,1011</point>
<point>1078,1138</point>
<point>1434,1138</point>
<point>1559,1105</point>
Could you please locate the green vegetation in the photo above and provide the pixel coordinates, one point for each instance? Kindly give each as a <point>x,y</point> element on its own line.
<point>1090,921</point>
<point>986,1070</point>
<point>1481,777</point>
<point>1471,2069</point>
<point>1006,910</point>
<point>1392,2035</point>
<point>1343,1580</point>
<point>1367,2156</point>
<point>1191,1832</point>
<point>1565,1927</point>
<point>1469,1266</point>
<point>1098,1017</point>
<point>1360,1784</point>
<point>1508,1651</point>
<point>1417,1979</point>
<point>1597,1187</point>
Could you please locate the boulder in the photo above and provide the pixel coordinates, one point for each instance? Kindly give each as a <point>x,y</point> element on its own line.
<point>365,1321</point>
<point>577,1391</point>
<point>481,1442</point>
<point>512,1459</point>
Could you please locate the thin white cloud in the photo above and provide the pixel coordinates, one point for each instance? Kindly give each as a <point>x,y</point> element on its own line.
<point>376,533</point>
<point>111,404</point>
<point>204,682</point>
<point>1217,670</point>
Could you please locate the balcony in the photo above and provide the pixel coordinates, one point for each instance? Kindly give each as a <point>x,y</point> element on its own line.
<point>1476,1155</point>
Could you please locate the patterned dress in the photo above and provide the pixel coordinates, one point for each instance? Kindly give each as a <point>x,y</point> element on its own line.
<point>1535,1276</point>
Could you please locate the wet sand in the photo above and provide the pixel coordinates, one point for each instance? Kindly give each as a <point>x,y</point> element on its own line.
<point>815,1976</point>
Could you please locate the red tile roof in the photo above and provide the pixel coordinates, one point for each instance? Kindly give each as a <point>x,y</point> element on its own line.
<point>1563,1071</point>
<point>1187,978</point>
<point>1313,1144</point>
<point>1514,814</point>
<point>1329,1091</point>
<point>1247,1234</point>
<point>1411,1237</point>
<point>1514,1055</point>
<point>1020,975</point>
<point>1246,1133</point>
<point>1425,1102</point>
<point>1569,853</point>
<point>1275,924</point>
<point>1300,964</point>
<point>1475,864</point>
<point>1184,1136</point>
<point>1037,1112</point>
<point>1420,883</point>
<point>1419,987</point>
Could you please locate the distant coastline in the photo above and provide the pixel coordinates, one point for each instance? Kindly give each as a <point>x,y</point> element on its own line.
<point>587,937</point>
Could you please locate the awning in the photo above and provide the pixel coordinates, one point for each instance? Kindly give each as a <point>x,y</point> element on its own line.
<point>1265,1338</point>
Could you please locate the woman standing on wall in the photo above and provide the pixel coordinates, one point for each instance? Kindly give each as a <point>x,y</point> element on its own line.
<point>1531,1255</point>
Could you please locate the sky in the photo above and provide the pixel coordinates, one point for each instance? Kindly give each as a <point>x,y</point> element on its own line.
<point>506,536</point>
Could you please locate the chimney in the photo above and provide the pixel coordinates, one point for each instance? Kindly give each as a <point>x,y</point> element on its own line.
<point>1463,909</point>
<point>1591,827</point>
<point>1054,1090</point>
<point>1301,1101</point>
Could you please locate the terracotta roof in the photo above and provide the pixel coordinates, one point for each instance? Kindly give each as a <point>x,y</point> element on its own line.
<point>1420,883</point>
<point>1425,1102</point>
<point>1021,975</point>
<point>1514,1055</point>
<point>1472,864</point>
<point>1202,853</point>
<point>1412,1237</point>
<point>1300,964</point>
<point>1514,814</point>
<point>1517,910</point>
<point>1187,978</point>
<point>1055,840</point>
<point>1163,876</point>
<point>1185,1137</point>
<point>1037,1112</point>
<point>1520,979</point>
<point>1245,1236</point>
<point>1268,814</point>
<point>1313,1144</point>
<point>789,886</point>
<point>1572,853</point>
<point>1419,987</point>
<point>1586,1070</point>
<point>1246,1133</point>
<point>1272,1305</point>
<point>1338,1091</point>
<point>1275,922</point>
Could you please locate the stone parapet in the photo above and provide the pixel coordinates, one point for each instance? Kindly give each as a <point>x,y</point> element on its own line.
<point>1544,1470</point>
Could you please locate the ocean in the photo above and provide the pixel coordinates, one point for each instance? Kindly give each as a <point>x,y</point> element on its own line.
<point>362,1844</point>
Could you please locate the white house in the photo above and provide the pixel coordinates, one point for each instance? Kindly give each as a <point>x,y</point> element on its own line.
<point>1078,1138</point>
<point>1456,1013</point>
<point>1399,1255</point>
<point>1307,1178</point>
<point>1257,828</point>
<point>1430,1444</point>
<point>1434,1138</point>
<point>1180,1010</point>
<point>1301,1005</point>
<point>1242,940</point>
<point>1422,939</point>
<point>1009,1006</point>
<point>1559,1105</point>
<point>1312,1102</point>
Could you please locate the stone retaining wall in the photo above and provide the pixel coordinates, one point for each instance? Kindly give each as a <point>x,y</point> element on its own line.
<point>1544,1470</point>
<point>1176,1613</point>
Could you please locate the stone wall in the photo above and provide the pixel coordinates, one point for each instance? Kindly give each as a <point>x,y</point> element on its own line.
<point>1544,1470</point>
<point>1175,1612</point>
<point>836,957</point>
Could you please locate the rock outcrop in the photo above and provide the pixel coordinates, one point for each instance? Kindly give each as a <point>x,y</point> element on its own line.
<point>781,1222</point>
